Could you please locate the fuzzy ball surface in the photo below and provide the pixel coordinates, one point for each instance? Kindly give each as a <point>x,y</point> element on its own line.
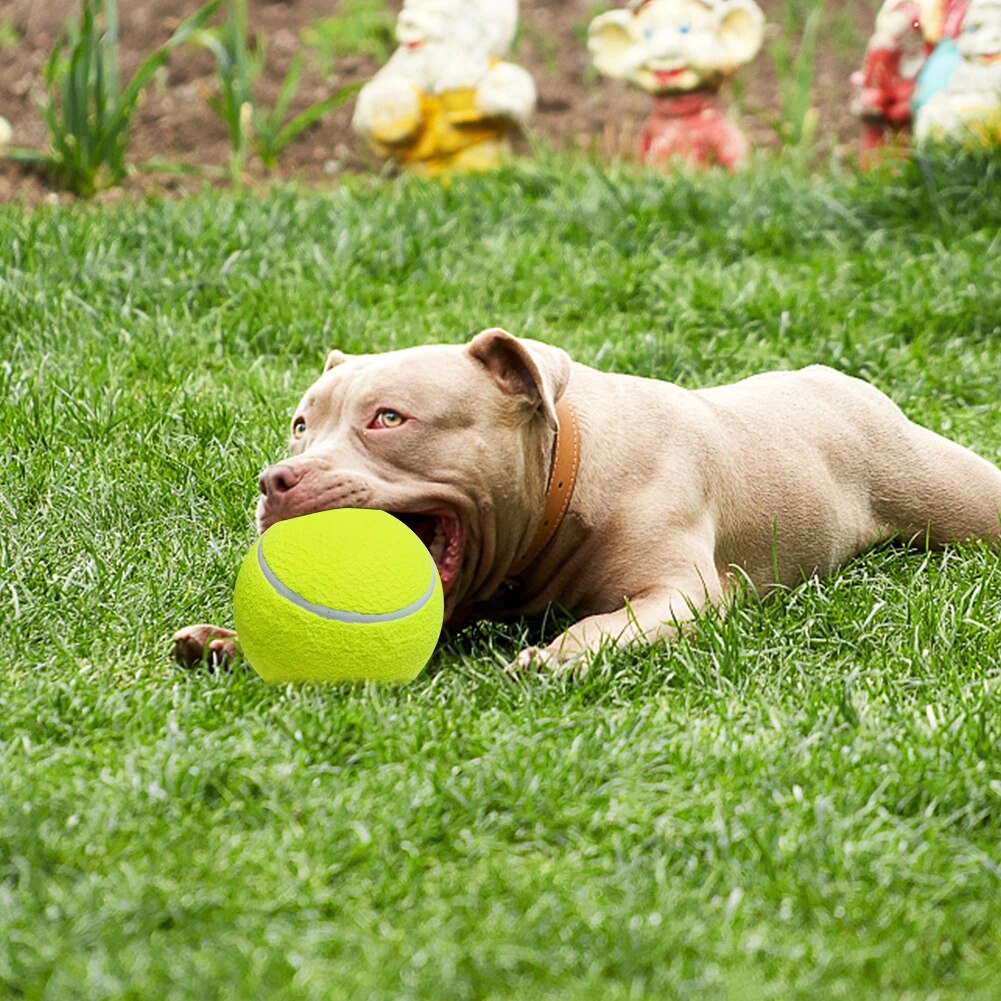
<point>335,596</point>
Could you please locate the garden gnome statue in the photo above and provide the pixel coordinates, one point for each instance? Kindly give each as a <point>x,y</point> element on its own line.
<point>682,51</point>
<point>941,22</point>
<point>967,108</point>
<point>446,101</point>
<point>883,89</point>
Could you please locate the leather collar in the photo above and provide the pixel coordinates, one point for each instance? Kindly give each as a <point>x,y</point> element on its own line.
<point>562,480</point>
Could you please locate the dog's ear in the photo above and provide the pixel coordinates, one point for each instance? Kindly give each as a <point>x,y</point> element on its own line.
<point>334,359</point>
<point>529,369</point>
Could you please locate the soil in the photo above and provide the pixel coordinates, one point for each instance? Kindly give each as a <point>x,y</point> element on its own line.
<point>577,109</point>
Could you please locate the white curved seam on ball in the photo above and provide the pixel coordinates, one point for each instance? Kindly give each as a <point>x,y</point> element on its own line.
<point>337,614</point>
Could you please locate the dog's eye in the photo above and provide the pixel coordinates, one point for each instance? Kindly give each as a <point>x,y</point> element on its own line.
<point>388,419</point>
<point>298,427</point>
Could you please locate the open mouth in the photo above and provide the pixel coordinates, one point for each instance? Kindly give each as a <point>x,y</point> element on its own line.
<point>668,76</point>
<point>442,532</point>
<point>411,37</point>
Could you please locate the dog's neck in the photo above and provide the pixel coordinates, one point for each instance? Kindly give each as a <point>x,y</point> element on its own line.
<point>562,480</point>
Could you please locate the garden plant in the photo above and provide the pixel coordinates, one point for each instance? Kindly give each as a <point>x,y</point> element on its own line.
<point>88,111</point>
<point>251,125</point>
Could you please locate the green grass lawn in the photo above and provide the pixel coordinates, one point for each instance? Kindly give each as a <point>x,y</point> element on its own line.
<point>801,801</point>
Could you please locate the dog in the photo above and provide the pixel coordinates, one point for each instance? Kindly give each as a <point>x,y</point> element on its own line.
<point>631,502</point>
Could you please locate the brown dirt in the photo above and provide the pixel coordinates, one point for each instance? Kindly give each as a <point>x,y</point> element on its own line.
<point>576,109</point>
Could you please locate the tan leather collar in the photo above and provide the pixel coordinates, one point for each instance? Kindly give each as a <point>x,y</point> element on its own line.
<point>562,479</point>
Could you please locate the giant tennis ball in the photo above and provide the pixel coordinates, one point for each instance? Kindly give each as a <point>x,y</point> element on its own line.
<point>345,595</point>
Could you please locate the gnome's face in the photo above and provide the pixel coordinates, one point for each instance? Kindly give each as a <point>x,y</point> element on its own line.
<point>489,24</point>
<point>437,22</point>
<point>898,29</point>
<point>449,43</point>
<point>673,46</point>
<point>897,24</point>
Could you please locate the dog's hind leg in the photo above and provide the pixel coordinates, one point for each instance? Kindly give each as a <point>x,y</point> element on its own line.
<point>931,489</point>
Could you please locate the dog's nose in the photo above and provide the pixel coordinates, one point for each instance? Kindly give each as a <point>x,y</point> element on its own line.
<point>278,480</point>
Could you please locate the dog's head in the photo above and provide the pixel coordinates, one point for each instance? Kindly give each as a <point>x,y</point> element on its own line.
<point>454,440</point>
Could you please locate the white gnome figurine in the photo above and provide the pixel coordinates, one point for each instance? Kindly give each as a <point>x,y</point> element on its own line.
<point>446,101</point>
<point>682,52</point>
<point>6,134</point>
<point>968,108</point>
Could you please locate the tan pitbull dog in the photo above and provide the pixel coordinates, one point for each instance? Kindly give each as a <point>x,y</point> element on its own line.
<point>678,494</point>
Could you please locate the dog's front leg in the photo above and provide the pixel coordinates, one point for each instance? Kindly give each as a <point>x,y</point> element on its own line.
<point>646,619</point>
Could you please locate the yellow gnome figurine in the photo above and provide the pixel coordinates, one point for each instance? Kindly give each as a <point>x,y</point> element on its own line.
<point>446,102</point>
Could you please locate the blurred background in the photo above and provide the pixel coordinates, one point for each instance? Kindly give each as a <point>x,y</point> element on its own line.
<point>796,94</point>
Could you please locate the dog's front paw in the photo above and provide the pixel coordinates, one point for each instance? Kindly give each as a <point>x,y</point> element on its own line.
<point>547,660</point>
<point>212,646</point>
<point>531,660</point>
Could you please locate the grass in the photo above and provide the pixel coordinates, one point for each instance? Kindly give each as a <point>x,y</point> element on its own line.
<point>801,801</point>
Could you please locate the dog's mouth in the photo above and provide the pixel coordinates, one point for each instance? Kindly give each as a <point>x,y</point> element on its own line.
<point>443,533</point>
<point>441,530</point>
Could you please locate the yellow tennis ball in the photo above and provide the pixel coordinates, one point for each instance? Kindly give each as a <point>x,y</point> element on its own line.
<point>345,595</point>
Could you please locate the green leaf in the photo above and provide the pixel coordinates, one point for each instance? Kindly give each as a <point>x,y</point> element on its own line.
<point>313,114</point>
<point>290,86</point>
